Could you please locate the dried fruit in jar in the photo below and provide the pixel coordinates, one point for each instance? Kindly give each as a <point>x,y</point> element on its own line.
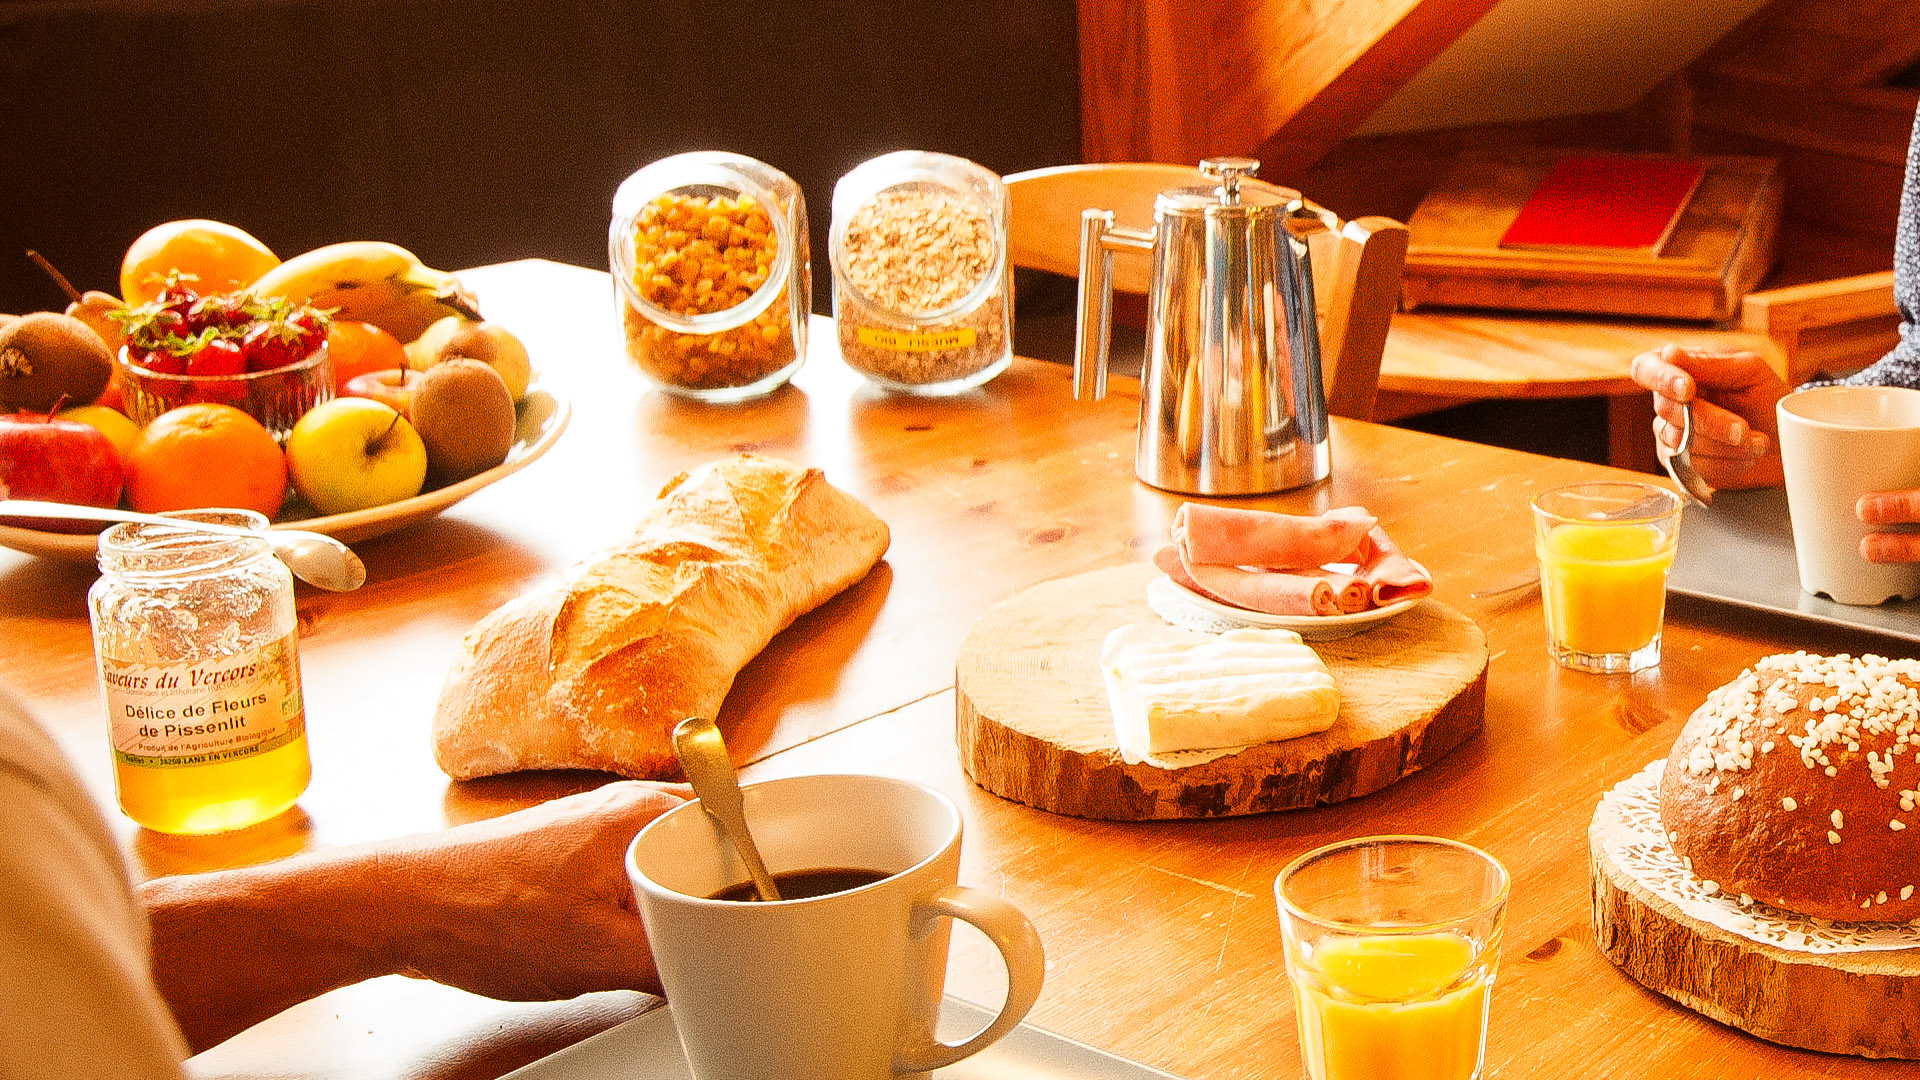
<point>700,255</point>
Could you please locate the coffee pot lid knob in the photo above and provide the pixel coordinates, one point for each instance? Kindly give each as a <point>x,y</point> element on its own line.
<point>1229,170</point>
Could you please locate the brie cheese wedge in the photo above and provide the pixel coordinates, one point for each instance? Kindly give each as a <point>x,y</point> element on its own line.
<point>1173,689</point>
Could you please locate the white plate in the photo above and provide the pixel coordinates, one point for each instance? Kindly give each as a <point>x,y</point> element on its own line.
<point>542,416</point>
<point>1310,627</point>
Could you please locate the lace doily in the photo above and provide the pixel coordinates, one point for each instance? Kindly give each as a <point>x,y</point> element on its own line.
<point>1163,596</point>
<point>1628,823</point>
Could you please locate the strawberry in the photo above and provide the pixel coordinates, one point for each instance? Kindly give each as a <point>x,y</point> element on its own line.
<point>219,356</point>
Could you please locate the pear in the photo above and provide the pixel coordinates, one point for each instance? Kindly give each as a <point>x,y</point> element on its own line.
<point>489,343</point>
<point>96,308</point>
<point>464,414</point>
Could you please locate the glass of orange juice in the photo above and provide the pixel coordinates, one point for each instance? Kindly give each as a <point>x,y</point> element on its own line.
<point>1604,550</point>
<point>1391,945</point>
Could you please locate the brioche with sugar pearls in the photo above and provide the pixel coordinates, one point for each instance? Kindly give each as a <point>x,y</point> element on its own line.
<point>1798,785</point>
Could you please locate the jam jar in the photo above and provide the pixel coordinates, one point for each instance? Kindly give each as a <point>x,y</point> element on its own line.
<point>922,288</point>
<point>194,637</point>
<point>712,273</point>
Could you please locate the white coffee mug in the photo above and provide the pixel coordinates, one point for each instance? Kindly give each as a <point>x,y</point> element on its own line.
<point>1838,443</point>
<point>845,986</point>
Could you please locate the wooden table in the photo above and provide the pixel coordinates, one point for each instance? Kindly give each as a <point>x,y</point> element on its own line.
<point>1161,938</point>
<point>1435,359</point>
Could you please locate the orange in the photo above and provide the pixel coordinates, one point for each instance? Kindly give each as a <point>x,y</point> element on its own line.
<point>221,258</point>
<point>205,455</point>
<point>357,348</point>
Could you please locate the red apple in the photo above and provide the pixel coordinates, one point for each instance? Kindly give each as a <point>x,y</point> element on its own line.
<point>391,388</point>
<point>42,457</point>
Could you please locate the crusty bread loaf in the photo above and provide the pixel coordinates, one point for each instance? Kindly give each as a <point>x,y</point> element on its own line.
<point>595,670</point>
<point>1796,784</point>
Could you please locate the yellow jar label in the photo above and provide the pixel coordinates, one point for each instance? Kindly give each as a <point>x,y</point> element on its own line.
<point>908,341</point>
<point>177,715</point>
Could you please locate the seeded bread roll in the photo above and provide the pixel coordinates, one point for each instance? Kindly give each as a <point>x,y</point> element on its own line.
<point>1795,784</point>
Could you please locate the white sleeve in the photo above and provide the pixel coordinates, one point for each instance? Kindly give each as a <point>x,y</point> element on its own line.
<point>77,998</point>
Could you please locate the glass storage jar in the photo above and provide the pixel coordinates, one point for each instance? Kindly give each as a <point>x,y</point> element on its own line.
<point>193,635</point>
<point>712,273</point>
<point>922,289</point>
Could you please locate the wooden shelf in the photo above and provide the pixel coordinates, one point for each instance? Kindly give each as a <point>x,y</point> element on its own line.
<point>1720,249</point>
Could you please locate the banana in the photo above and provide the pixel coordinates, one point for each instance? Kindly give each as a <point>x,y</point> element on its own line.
<point>371,281</point>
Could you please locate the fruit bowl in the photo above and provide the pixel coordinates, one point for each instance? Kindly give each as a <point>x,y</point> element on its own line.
<point>542,416</point>
<point>277,397</point>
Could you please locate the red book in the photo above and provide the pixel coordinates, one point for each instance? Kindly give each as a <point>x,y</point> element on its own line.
<point>1620,205</point>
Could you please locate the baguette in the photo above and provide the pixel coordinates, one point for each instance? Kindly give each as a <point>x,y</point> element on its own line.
<point>594,671</point>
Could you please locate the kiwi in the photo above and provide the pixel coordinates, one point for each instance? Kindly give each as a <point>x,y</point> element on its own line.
<point>46,356</point>
<point>464,414</point>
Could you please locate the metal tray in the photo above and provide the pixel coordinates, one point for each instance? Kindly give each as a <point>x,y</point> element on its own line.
<point>646,1048</point>
<point>1740,551</point>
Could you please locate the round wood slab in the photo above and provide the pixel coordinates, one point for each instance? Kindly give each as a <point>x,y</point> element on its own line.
<point>1034,724</point>
<point>1862,1003</point>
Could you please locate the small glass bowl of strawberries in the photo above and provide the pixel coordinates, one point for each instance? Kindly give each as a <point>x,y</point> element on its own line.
<point>261,354</point>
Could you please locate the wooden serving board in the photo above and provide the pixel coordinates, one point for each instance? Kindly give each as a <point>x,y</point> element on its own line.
<point>1863,1003</point>
<point>1034,725</point>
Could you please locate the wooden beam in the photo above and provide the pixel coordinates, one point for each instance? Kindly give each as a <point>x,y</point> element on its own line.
<point>1305,74</point>
<point>1284,80</point>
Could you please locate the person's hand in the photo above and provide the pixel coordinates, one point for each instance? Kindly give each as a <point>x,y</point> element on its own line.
<point>1735,432</point>
<point>531,906</point>
<point>1889,508</point>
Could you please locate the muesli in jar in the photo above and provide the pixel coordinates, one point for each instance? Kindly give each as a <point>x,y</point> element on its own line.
<point>921,283</point>
<point>709,256</point>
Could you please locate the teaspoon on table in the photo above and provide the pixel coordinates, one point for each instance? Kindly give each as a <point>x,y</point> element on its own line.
<point>703,757</point>
<point>313,557</point>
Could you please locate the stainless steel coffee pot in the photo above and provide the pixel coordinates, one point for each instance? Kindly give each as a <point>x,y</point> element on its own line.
<point>1231,401</point>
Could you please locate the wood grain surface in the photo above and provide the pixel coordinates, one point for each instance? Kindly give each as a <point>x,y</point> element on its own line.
<point>1161,937</point>
<point>1034,724</point>
<point>1865,1003</point>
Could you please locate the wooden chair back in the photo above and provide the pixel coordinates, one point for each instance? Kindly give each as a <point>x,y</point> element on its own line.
<point>1356,268</point>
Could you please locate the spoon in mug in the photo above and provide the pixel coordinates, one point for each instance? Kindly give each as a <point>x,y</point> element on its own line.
<point>313,557</point>
<point>703,757</point>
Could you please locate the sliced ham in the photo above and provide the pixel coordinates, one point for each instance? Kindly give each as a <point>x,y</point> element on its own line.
<point>1278,563</point>
<point>1272,591</point>
<point>1389,573</point>
<point>1232,536</point>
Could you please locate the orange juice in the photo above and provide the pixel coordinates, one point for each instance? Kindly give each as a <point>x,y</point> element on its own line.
<point>1392,1007</point>
<point>1604,585</point>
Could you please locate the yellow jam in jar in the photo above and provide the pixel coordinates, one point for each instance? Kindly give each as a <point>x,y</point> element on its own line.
<point>194,636</point>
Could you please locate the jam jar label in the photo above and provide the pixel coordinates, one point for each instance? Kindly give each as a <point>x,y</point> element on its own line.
<point>175,715</point>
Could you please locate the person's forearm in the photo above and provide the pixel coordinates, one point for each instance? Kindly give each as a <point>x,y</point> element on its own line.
<point>232,948</point>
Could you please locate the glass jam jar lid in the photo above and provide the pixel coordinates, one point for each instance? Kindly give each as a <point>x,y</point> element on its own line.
<point>968,187</point>
<point>703,174</point>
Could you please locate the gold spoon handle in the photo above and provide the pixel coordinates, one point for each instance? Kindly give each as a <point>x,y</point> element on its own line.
<point>703,757</point>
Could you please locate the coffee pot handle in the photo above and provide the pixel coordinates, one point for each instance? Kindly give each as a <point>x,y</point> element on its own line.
<point>1093,327</point>
<point>1019,945</point>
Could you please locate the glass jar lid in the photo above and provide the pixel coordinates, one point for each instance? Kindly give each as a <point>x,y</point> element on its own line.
<point>691,233</point>
<point>137,548</point>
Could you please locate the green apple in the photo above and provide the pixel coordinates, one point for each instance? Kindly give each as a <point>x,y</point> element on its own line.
<point>353,453</point>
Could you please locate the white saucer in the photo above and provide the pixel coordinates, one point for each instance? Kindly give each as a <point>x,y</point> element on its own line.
<point>1163,591</point>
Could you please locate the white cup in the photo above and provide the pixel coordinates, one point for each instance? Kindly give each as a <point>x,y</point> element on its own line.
<point>845,986</point>
<point>1838,443</point>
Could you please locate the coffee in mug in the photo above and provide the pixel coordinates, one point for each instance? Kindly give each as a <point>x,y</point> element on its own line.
<point>844,983</point>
